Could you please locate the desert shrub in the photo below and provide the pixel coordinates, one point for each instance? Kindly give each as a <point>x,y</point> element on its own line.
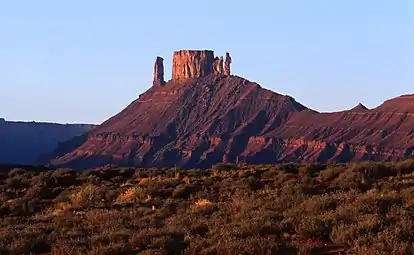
<point>404,167</point>
<point>309,170</point>
<point>247,183</point>
<point>204,206</point>
<point>16,172</point>
<point>170,242</point>
<point>221,167</point>
<point>186,180</point>
<point>230,212</point>
<point>139,173</point>
<point>196,173</point>
<point>344,234</point>
<point>17,182</point>
<point>63,178</point>
<point>114,174</point>
<point>22,207</point>
<point>200,229</point>
<point>251,245</point>
<point>314,228</point>
<point>175,172</point>
<point>159,189</point>
<point>3,176</point>
<point>350,180</point>
<point>111,195</point>
<point>40,192</point>
<point>284,178</point>
<point>63,196</point>
<point>87,196</point>
<point>112,248</point>
<point>379,204</point>
<point>271,173</point>
<point>133,194</point>
<point>319,204</point>
<point>291,168</point>
<point>373,170</point>
<point>185,190</point>
<point>330,173</point>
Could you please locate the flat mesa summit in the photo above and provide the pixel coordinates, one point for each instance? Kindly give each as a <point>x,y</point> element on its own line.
<point>205,115</point>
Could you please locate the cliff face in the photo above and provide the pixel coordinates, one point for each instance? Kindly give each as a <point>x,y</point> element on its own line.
<point>218,117</point>
<point>25,142</point>
<point>191,64</point>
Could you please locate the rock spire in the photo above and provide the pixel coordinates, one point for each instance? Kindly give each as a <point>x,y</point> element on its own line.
<point>227,63</point>
<point>159,72</point>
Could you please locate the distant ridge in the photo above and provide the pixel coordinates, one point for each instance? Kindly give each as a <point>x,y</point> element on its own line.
<point>22,143</point>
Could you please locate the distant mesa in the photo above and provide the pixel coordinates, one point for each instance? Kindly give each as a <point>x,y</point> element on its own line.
<point>189,64</point>
<point>22,143</point>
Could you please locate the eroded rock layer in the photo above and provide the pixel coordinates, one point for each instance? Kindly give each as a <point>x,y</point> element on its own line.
<point>219,118</point>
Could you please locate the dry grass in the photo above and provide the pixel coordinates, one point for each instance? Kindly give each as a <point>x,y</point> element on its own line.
<point>365,208</point>
<point>133,194</point>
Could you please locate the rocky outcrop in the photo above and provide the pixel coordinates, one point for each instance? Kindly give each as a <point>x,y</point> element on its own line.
<point>218,66</point>
<point>25,142</point>
<point>227,64</point>
<point>225,118</point>
<point>159,72</point>
<point>191,64</point>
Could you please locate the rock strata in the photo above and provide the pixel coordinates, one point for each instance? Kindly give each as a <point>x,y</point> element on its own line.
<point>159,72</point>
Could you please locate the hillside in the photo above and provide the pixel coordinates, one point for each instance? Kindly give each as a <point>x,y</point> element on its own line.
<point>206,115</point>
<point>24,142</point>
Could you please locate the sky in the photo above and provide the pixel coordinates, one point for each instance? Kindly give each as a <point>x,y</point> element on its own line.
<point>84,61</point>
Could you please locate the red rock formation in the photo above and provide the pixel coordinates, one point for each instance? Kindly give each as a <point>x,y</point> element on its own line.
<point>191,64</point>
<point>227,64</point>
<point>159,72</point>
<point>218,66</point>
<point>218,118</point>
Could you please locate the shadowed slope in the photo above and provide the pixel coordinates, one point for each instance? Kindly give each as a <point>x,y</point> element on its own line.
<point>24,142</point>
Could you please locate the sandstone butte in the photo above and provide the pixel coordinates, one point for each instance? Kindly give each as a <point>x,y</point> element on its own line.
<point>205,115</point>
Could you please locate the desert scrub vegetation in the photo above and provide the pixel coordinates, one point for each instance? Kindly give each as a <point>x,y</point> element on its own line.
<point>356,208</point>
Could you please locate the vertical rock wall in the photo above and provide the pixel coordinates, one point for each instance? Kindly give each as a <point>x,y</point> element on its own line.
<point>189,64</point>
<point>192,63</point>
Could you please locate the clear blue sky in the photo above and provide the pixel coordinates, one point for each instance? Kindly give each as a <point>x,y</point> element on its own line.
<point>85,60</point>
